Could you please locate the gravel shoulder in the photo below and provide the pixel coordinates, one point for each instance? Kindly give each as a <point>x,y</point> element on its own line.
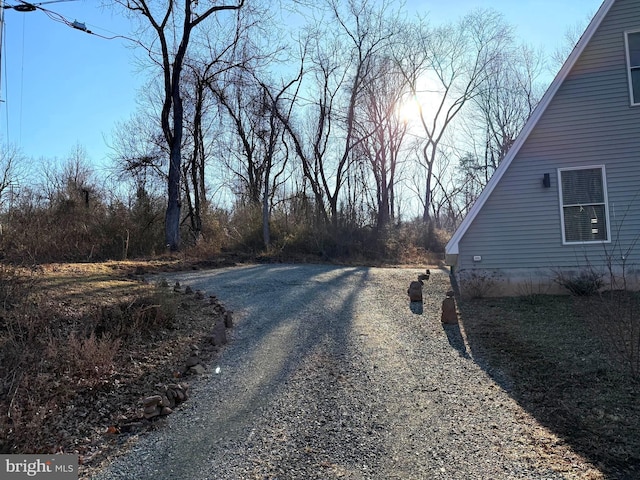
<point>330,374</point>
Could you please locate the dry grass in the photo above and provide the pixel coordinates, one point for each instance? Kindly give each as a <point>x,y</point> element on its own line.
<point>546,352</point>
<point>81,344</point>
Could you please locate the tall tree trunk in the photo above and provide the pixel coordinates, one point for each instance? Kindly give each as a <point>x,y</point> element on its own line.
<point>172,217</point>
<point>266,229</point>
<point>166,25</point>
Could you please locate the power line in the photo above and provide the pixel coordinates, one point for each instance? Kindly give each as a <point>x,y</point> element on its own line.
<point>56,17</point>
<point>6,103</point>
<point>23,6</point>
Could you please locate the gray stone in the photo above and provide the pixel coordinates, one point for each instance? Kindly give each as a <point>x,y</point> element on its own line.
<point>156,411</point>
<point>192,361</point>
<point>228,319</point>
<point>152,400</point>
<point>219,334</point>
<point>197,369</point>
<point>181,396</point>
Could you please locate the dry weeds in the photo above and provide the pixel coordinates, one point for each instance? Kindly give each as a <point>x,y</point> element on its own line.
<point>81,344</point>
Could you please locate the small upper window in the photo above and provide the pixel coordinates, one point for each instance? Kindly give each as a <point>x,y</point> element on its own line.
<point>633,64</point>
<point>583,198</point>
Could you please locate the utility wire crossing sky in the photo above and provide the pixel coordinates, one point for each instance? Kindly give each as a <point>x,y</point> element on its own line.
<point>68,71</point>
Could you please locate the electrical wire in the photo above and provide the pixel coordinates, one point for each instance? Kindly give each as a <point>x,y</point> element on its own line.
<point>57,17</point>
<point>21,80</point>
<point>6,85</point>
<point>78,25</point>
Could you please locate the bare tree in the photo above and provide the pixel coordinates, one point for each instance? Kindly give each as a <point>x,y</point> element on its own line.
<point>138,150</point>
<point>383,129</point>
<point>445,67</point>
<point>11,172</point>
<point>195,191</point>
<point>358,31</point>
<point>570,38</point>
<point>255,107</point>
<point>508,97</point>
<point>172,26</point>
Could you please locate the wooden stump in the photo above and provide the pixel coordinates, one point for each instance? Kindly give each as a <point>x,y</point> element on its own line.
<point>449,313</point>
<point>415,291</point>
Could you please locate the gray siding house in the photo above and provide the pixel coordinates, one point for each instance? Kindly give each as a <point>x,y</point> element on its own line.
<point>566,198</point>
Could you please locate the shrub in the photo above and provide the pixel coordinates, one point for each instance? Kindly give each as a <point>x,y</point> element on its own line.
<point>477,283</point>
<point>49,354</point>
<point>582,284</point>
<point>614,317</point>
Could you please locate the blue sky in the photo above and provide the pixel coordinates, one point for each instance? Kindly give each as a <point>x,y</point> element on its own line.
<point>62,87</point>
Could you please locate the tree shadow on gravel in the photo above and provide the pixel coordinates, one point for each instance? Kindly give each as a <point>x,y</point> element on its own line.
<point>276,296</point>
<point>288,311</point>
<point>544,355</point>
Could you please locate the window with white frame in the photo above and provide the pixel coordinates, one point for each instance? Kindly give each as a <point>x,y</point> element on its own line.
<point>632,40</point>
<point>583,199</point>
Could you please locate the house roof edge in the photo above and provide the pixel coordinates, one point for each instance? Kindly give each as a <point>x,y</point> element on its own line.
<point>452,247</point>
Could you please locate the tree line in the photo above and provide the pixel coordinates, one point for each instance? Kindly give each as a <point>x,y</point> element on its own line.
<point>344,120</point>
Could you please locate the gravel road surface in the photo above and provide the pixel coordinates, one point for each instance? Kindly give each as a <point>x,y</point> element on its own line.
<point>330,374</point>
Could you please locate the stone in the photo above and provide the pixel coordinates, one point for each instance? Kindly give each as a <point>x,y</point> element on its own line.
<point>415,291</point>
<point>181,396</point>
<point>228,319</point>
<point>219,334</point>
<point>218,308</point>
<point>197,369</point>
<point>423,277</point>
<point>449,313</point>
<point>151,400</point>
<point>192,361</point>
<point>171,398</point>
<point>166,411</point>
<point>188,290</point>
<point>199,295</point>
<point>156,412</point>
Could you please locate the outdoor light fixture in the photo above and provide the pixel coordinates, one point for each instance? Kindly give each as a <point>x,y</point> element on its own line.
<point>546,180</point>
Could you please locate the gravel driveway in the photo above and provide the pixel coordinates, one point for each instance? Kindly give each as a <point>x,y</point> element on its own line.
<point>330,374</point>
